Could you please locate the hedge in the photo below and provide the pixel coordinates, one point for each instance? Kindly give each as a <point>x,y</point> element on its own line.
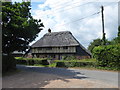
<point>32,61</point>
<point>108,56</point>
<point>75,63</point>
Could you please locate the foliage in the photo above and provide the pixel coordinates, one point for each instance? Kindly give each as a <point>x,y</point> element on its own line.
<point>32,61</point>
<point>82,60</point>
<point>8,63</point>
<point>68,57</point>
<point>60,64</point>
<point>18,26</point>
<point>95,43</point>
<point>76,63</point>
<point>21,58</point>
<point>108,56</point>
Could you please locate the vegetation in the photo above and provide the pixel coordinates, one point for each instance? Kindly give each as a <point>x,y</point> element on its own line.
<point>84,63</point>
<point>32,61</point>
<point>98,42</point>
<point>68,57</point>
<point>18,30</point>
<point>95,43</point>
<point>19,27</point>
<point>108,56</point>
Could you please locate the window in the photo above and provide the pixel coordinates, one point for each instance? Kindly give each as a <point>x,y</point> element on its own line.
<point>65,47</point>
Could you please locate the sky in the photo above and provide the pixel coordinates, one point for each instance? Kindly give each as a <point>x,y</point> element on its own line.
<point>81,17</point>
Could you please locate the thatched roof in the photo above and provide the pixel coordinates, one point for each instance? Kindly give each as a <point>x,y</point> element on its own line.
<point>64,38</point>
<point>58,39</point>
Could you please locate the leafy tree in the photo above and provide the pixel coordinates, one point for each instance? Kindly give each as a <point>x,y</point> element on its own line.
<point>18,26</point>
<point>97,42</point>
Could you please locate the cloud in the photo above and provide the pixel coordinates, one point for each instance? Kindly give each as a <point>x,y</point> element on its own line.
<point>66,15</point>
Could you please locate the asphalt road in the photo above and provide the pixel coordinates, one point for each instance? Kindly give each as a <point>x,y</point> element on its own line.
<point>40,76</point>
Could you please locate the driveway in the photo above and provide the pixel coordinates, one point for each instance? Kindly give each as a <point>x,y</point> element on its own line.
<point>44,77</point>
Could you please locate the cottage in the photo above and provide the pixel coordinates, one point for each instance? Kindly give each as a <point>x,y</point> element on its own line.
<point>56,45</point>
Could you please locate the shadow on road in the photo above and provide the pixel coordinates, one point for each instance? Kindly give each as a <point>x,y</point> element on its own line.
<point>36,77</point>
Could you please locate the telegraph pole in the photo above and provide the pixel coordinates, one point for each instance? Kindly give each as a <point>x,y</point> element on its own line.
<point>103,31</point>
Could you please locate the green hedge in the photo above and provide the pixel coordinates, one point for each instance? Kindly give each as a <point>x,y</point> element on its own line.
<point>75,63</point>
<point>32,61</point>
<point>108,56</point>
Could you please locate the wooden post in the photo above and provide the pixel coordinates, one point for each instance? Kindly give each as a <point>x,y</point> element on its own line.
<point>103,31</point>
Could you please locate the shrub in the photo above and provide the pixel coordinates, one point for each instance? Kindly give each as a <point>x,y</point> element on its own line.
<point>32,61</point>
<point>45,62</point>
<point>68,57</point>
<point>107,56</point>
<point>75,63</point>
<point>60,64</point>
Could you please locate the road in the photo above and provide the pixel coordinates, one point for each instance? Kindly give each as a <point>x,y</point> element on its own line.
<point>36,77</point>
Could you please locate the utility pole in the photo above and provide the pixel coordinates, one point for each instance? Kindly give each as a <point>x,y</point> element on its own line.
<point>103,31</point>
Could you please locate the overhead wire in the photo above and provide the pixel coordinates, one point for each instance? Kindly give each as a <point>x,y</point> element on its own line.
<point>55,11</point>
<point>68,4</point>
<point>83,17</point>
<point>86,16</point>
<point>79,19</point>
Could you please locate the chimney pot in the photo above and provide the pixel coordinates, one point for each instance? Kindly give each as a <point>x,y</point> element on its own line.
<point>49,30</point>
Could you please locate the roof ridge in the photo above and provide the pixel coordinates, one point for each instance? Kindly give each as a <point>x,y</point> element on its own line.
<point>59,32</point>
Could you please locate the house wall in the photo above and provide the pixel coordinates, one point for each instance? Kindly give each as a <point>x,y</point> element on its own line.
<point>53,56</point>
<point>58,53</point>
<point>54,50</point>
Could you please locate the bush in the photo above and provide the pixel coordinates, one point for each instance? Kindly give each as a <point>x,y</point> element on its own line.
<point>60,64</point>
<point>32,61</point>
<point>75,63</point>
<point>8,63</point>
<point>45,62</point>
<point>108,56</point>
<point>68,57</point>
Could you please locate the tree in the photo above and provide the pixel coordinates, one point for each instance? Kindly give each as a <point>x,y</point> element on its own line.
<point>18,26</point>
<point>96,42</point>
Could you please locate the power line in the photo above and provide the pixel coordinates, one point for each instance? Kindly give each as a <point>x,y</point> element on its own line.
<point>79,19</point>
<point>77,6</point>
<point>58,3</point>
<point>68,4</point>
<point>84,17</point>
<point>66,9</point>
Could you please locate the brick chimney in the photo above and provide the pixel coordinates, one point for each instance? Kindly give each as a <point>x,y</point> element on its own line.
<point>49,30</point>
